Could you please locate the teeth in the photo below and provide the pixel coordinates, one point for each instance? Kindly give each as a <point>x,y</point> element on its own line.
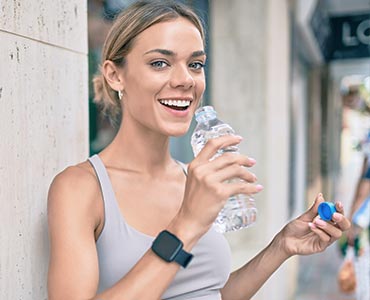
<point>178,103</point>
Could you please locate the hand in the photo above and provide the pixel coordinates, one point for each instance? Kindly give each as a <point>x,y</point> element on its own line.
<point>207,188</point>
<point>353,232</point>
<point>309,234</point>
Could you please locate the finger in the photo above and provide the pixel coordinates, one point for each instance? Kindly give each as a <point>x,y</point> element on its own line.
<point>341,221</point>
<point>321,234</point>
<point>328,228</point>
<point>312,212</point>
<point>213,145</point>
<point>241,187</point>
<point>339,207</point>
<point>233,158</point>
<point>231,172</point>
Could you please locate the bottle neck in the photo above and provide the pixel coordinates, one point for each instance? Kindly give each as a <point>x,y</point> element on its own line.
<point>205,117</point>
<point>205,114</point>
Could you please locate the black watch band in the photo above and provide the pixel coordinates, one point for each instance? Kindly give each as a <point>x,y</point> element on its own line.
<point>168,247</point>
<point>183,258</point>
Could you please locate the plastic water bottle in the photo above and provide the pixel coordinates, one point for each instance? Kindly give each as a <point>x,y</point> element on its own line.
<point>240,210</point>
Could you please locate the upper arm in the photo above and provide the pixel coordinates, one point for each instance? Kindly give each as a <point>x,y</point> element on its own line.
<point>72,218</point>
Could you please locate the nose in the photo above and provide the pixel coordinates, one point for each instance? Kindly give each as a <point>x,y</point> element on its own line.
<point>181,77</point>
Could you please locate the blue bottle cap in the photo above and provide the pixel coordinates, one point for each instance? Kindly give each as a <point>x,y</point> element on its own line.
<point>326,210</point>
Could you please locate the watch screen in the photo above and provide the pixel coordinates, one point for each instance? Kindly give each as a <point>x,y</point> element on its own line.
<point>167,246</point>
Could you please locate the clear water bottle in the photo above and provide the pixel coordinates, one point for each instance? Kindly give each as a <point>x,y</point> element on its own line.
<point>240,210</point>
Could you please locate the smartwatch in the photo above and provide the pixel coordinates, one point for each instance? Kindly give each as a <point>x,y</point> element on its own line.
<point>168,247</point>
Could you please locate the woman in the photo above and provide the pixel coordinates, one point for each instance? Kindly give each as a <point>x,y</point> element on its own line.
<point>362,193</point>
<point>132,223</point>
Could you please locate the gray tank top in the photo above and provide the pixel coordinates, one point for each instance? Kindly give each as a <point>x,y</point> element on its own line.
<point>120,246</point>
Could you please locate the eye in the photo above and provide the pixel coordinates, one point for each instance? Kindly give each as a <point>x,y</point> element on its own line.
<point>196,65</point>
<point>159,64</point>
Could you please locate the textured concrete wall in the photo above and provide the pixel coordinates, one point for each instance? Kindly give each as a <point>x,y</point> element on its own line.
<point>250,90</point>
<point>43,128</point>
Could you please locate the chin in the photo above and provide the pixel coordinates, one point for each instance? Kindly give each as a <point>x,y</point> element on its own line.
<point>178,132</point>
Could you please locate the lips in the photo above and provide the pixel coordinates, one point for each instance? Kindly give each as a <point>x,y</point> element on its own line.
<point>176,104</point>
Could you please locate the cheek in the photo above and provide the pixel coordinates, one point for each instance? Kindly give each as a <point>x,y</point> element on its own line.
<point>143,85</point>
<point>200,86</point>
<point>151,82</point>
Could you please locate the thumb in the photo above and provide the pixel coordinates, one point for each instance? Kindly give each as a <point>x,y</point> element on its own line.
<point>312,212</point>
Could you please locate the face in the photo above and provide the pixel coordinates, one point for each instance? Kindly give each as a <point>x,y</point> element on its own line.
<point>163,77</point>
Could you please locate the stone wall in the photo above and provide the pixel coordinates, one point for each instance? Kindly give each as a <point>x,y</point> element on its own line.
<point>250,90</point>
<point>43,128</point>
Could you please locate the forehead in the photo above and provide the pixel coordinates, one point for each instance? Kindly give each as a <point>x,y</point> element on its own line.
<point>178,33</point>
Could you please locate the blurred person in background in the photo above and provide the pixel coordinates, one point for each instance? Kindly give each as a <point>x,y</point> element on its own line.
<point>357,236</point>
<point>362,195</point>
<point>354,101</point>
<point>355,245</point>
<point>133,223</point>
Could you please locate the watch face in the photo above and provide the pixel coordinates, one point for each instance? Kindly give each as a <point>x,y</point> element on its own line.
<point>167,246</point>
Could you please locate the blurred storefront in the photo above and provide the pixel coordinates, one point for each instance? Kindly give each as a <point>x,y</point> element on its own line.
<point>276,72</point>
<point>330,116</point>
<point>332,44</point>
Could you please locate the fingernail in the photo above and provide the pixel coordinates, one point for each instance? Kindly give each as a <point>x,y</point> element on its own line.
<point>239,137</point>
<point>254,177</point>
<point>320,222</point>
<point>259,187</point>
<point>252,160</point>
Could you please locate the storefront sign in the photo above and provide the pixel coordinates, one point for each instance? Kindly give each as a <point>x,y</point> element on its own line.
<point>350,36</point>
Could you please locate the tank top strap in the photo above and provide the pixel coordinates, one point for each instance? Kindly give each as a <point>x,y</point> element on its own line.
<point>111,210</point>
<point>183,166</point>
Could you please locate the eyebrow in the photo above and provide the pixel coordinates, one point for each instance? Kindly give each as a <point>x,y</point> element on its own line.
<point>171,53</point>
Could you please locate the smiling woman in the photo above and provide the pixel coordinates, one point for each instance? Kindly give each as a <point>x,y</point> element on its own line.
<point>152,73</point>
<point>125,221</point>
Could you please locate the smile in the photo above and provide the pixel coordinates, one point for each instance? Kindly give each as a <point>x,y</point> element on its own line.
<point>176,104</point>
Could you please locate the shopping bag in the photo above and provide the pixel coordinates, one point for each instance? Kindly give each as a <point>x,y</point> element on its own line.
<point>346,275</point>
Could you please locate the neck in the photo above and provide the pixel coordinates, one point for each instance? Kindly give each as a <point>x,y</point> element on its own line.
<point>138,149</point>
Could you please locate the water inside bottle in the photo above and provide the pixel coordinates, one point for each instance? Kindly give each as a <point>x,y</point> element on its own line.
<point>200,138</point>
<point>240,210</point>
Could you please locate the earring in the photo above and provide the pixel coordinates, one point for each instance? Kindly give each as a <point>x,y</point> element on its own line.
<point>120,95</point>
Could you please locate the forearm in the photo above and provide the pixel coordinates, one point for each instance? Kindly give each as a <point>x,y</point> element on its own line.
<point>246,281</point>
<point>143,282</point>
<point>362,193</point>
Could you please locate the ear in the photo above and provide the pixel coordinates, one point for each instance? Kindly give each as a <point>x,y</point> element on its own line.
<point>113,75</point>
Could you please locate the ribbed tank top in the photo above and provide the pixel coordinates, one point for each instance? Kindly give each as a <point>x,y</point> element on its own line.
<point>121,246</point>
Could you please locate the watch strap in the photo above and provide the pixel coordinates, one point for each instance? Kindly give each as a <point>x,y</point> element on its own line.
<point>169,247</point>
<point>183,258</point>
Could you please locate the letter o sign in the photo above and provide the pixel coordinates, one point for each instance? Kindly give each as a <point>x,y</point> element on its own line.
<point>363,32</point>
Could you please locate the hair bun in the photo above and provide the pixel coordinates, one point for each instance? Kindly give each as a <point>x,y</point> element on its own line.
<point>98,89</point>
<point>107,100</point>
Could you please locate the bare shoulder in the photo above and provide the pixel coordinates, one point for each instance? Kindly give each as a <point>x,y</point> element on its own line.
<point>75,190</point>
<point>80,176</point>
<point>74,215</point>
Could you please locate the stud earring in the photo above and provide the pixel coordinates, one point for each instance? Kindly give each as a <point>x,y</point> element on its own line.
<point>120,95</point>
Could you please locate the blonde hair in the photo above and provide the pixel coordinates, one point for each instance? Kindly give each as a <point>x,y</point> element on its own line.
<point>128,25</point>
